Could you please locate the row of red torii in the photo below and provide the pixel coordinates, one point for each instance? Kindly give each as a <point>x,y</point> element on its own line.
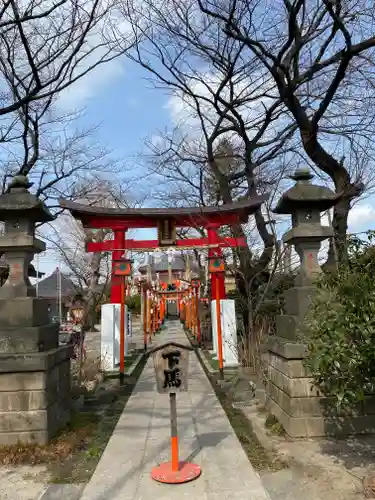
<point>167,221</point>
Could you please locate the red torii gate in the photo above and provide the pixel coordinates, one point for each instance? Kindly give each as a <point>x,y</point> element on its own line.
<point>119,220</point>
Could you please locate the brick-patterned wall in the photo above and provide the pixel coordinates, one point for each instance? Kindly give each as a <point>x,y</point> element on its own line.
<point>35,405</point>
<point>296,403</point>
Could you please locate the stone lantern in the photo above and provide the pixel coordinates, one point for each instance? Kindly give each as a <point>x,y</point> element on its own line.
<point>304,202</point>
<point>20,211</point>
<point>291,396</point>
<point>34,370</point>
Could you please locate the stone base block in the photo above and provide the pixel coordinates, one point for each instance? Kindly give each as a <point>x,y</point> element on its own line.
<point>298,299</point>
<point>286,349</point>
<point>28,338</point>
<point>34,396</point>
<point>297,404</point>
<point>23,311</point>
<point>288,326</point>
<point>302,427</point>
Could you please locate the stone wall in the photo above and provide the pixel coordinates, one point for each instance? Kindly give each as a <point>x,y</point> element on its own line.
<point>296,403</point>
<point>34,396</point>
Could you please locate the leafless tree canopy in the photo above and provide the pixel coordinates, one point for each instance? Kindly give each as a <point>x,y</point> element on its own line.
<point>320,56</point>
<point>45,46</point>
<point>230,114</point>
<point>289,81</point>
<point>60,158</point>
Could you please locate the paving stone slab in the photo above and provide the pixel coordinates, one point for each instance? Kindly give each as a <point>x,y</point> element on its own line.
<point>63,492</point>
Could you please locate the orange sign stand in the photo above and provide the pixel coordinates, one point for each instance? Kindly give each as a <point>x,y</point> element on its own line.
<point>175,472</point>
<point>171,362</point>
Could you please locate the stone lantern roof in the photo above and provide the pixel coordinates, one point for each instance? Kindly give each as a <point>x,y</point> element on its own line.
<point>305,195</point>
<point>20,211</point>
<point>18,201</point>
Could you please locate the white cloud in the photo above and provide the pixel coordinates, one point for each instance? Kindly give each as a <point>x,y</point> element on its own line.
<point>112,34</point>
<point>325,219</point>
<point>361,216</point>
<point>182,107</point>
<point>89,86</point>
<point>157,141</point>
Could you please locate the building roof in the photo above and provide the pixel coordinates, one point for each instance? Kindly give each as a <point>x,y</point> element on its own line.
<point>49,287</point>
<point>159,264</point>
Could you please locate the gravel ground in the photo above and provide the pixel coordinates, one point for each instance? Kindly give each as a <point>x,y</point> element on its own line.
<point>318,468</point>
<point>22,483</point>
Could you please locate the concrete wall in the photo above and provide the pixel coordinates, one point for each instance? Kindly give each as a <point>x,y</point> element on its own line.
<point>53,310</point>
<point>110,336</point>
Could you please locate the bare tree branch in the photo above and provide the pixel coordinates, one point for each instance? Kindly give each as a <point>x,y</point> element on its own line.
<point>45,48</point>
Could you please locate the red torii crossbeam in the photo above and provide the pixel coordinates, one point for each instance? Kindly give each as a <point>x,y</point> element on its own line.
<point>129,218</point>
<point>138,245</point>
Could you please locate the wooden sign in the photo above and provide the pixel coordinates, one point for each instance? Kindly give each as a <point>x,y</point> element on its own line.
<point>216,265</point>
<point>171,367</point>
<point>129,325</point>
<point>166,232</point>
<point>122,267</point>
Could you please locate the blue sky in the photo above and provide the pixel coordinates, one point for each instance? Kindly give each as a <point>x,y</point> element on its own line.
<point>128,109</point>
<point>119,98</point>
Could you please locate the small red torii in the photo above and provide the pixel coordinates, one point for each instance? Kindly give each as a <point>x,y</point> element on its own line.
<point>119,220</point>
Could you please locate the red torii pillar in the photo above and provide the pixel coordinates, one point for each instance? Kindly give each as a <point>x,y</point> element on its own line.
<point>119,241</point>
<point>213,238</point>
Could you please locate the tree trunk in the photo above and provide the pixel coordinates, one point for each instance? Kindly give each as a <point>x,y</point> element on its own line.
<point>251,271</point>
<point>90,305</point>
<point>329,165</point>
<point>338,245</point>
<point>343,185</point>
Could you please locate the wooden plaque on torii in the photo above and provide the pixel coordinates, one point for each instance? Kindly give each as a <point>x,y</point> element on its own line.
<point>166,232</point>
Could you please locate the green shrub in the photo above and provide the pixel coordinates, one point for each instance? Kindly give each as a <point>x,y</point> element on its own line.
<point>134,303</point>
<point>341,327</point>
<point>270,296</point>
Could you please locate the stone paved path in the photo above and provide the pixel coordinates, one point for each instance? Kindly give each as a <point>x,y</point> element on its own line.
<point>142,440</point>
